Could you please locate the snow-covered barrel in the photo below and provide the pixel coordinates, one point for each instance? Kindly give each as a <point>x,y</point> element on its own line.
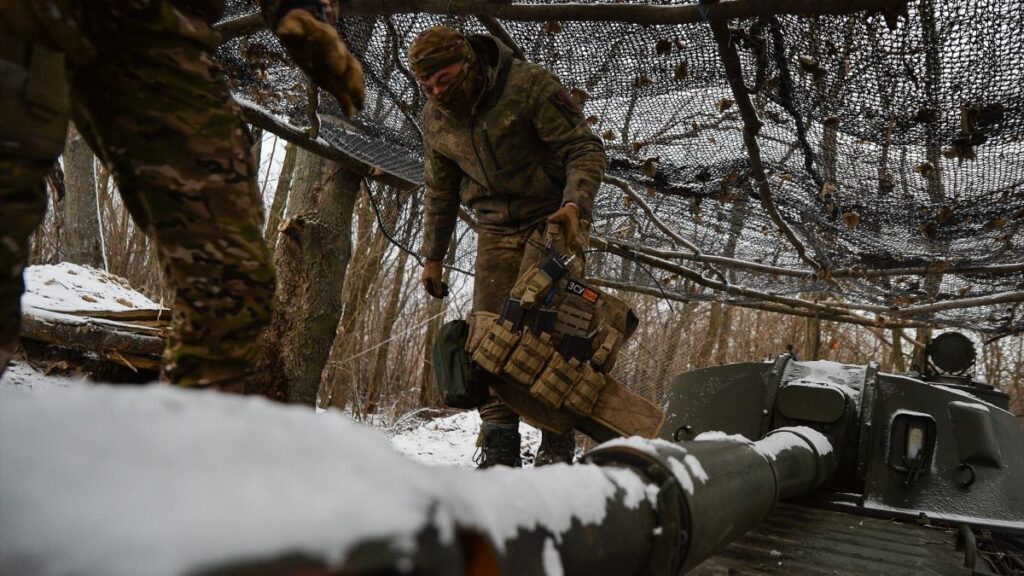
<point>713,491</point>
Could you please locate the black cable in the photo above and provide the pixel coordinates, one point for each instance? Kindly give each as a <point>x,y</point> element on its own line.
<point>646,269</point>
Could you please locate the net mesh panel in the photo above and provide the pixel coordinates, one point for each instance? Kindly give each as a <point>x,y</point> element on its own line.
<point>884,148</point>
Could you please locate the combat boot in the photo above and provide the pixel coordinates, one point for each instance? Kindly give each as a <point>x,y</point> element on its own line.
<point>499,445</point>
<point>556,448</point>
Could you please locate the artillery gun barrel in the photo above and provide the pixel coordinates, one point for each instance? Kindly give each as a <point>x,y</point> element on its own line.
<point>700,497</point>
<point>713,491</point>
<point>633,506</point>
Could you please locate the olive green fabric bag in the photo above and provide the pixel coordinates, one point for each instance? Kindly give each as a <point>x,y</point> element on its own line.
<point>452,369</point>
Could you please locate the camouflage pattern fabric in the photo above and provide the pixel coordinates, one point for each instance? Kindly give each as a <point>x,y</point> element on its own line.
<point>436,48</point>
<point>500,260</point>
<point>146,94</point>
<point>526,151</point>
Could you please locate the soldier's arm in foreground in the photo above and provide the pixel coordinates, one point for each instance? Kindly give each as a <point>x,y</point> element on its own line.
<point>306,29</point>
<point>442,178</point>
<point>560,123</point>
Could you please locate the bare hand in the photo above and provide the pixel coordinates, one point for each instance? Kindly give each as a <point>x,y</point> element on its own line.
<point>431,279</point>
<point>568,217</point>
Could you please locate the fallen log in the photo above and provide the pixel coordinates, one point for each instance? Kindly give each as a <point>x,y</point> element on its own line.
<point>108,338</point>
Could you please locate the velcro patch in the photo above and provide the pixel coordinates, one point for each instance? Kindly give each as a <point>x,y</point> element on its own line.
<point>588,294</point>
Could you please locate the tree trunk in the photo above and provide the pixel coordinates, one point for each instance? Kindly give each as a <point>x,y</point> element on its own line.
<point>812,340</point>
<point>284,183</point>
<point>711,336</point>
<point>311,259</point>
<point>378,376</point>
<point>919,358</point>
<point>80,232</point>
<point>343,374</point>
<point>724,335</point>
<point>898,364</point>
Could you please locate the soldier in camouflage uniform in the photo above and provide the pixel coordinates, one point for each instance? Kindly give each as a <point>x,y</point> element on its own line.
<point>139,79</point>
<point>506,139</point>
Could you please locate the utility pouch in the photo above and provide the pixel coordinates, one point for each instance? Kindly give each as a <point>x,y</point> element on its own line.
<point>529,357</point>
<point>496,347</point>
<point>556,380</point>
<point>479,325</point>
<point>452,369</point>
<point>587,389</point>
<point>606,346</point>
<point>534,286</point>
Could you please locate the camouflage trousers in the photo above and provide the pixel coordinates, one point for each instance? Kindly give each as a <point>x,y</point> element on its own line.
<point>500,260</point>
<point>139,80</point>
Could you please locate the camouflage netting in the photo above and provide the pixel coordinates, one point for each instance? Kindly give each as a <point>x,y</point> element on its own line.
<point>884,148</point>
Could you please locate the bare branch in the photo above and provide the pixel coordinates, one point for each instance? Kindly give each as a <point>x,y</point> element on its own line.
<point>966,269</point>
<point>751,127</point>
<point>625,187</point>
<point>831,317</point>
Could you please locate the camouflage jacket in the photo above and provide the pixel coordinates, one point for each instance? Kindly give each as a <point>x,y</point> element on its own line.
<point>525,151</point>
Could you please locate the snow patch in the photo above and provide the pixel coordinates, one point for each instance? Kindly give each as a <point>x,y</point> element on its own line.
<point>972,406</point>
<point>551,560</point>
<point>718,435</point>
<point>637,443</point>
<point>636,490</point>
<point>821,443</point>
<point>103,480</point>
<point>695,468</point>
<point>68,287</point>
<point>849,377</point>
<point>681,474</point>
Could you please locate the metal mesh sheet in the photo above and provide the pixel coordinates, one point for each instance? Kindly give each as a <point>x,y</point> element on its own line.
<point>884,148</point>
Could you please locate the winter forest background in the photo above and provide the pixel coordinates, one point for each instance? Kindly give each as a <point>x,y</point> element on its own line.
<point>377,355</point>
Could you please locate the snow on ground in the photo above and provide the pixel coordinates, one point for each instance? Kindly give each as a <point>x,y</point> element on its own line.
<point>98,479</point>
<point>67,287</point>
<point>451,441</point>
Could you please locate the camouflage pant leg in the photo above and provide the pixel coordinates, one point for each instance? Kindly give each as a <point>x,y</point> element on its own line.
<point>34,120</point>
<point>160,112</point>
<point>498,259</point>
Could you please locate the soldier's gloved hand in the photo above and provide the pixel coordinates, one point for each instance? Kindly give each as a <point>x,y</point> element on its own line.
<point>568,216</point>
<point>431,279</point>
<point>319,51</point>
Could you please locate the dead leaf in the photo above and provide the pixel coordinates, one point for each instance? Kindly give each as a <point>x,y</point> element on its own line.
<point>828,190</point>
<point>662,47</point>
<point>650,166</point>
<point>928,228</point>
<point>591,120</point>
<point>925,169</point>
<point>996,223</point>
<point>724,104</point>
<point>852,220</point>
<point>681,71</point>
<point>944,215</point>
<point>609,135</point>
<point>642,81</point>
<point>552,27</point>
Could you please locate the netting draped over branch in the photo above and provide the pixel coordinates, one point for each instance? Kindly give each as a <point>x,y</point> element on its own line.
<point>892,150</point>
